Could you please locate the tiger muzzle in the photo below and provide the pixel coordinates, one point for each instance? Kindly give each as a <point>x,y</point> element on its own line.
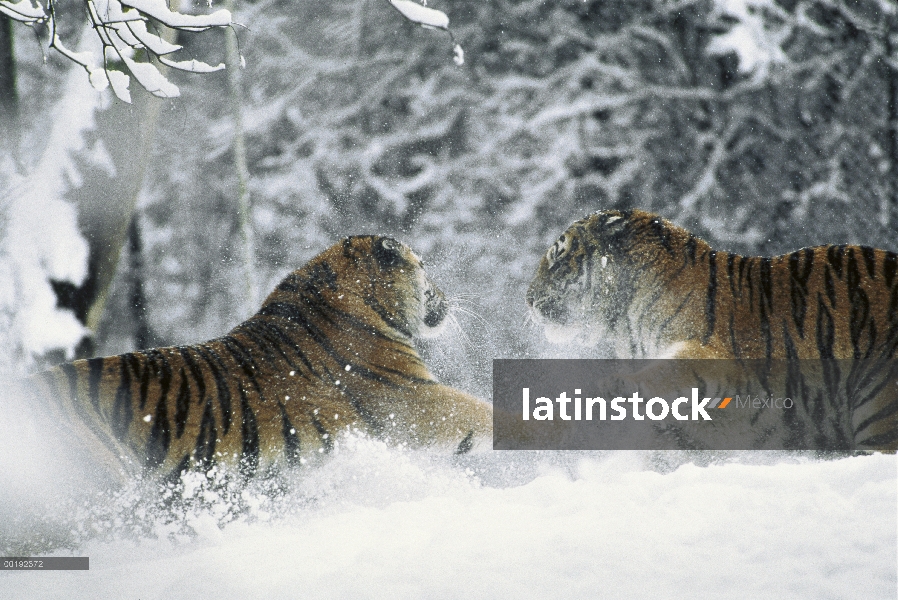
<point>435,307</point>
<point>550,309</point>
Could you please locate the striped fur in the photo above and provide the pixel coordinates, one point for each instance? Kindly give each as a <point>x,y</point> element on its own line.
<point>330,349</point>
<point>650,289</point>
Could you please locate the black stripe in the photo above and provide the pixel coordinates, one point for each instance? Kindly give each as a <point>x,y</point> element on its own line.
<point>829,285</point>
<point>244,360</point>
<point>765,281</point>
<point>204,450</point>
<point>749,280</point>
<point>887,411</point>
<point>826,331</point>
<point>122,409</point>
<point>174,476</point>
<point>163,368</point>
<point>691,247</point>
<point>375,426</point>
<point>95,374</point>
<point>731,272</point>
<point>276,331</point>
<point>835,255</point>
<point>735,345</point>
<point>372,302</point>
<point>765,304</point>
<point>801,265</point>
<point>295,314</point>
<point>160,437</point>
<point>195,371</point>
<point>264,346</point>
<point>662,233</point>
<point>291,438</point>
<point>869,255</point>
<point>343,319</point>
<point>182,405</point>
<point>326,438</point>
<point>92,421</point>
<point>859,304</point>
<point>789,344</point>
<point>144,378</point>
<point>249,430</point>
<point>216,367</point>
<point>711,297</point>
<point>662,329</point>
<point>71,375</point>
<point>466,444</point>
<point>259,332</point>
<point>892,323</point>
<point>883,440</point>
<point>289,284</point>
<point>889,267</point>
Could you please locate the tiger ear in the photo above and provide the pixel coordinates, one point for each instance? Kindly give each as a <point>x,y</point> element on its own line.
<point>388,252</point>
<point>613,221</point>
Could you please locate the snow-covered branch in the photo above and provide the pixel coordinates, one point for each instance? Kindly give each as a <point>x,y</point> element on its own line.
<point>429,18</point>
<point>123,27</point>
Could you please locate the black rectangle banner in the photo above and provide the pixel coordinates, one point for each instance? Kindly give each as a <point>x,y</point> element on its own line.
<point>831,405</point>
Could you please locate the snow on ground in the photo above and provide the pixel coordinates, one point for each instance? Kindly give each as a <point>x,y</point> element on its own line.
<point>377,522</point>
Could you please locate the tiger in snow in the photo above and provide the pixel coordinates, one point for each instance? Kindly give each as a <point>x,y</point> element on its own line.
<point>649,289</point>
<point>330,350</point>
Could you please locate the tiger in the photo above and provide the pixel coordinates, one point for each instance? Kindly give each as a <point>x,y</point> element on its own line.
<point>330,350</point>
<point>646,288</point>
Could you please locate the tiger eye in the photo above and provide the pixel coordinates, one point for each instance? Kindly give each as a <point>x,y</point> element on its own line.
<point>388,252</point>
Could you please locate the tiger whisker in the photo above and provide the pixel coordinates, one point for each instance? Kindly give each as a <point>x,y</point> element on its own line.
<point>456,326</point>
<point>465,296</point>
<point>530,320</point>
<point>479,319</point>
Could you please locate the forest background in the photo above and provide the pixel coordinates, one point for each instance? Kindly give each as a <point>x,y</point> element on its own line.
<point>762,126</point>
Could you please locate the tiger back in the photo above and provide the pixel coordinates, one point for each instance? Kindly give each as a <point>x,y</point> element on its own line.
<point>330,351</point>
<point>649,289</point>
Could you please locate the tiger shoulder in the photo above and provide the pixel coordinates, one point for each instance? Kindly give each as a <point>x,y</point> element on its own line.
<point>653,289</point>
<point>329,351</point>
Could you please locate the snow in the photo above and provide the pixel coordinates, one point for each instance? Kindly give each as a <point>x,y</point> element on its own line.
<point>378,522</point>
<point>458,55</point>
<point>422,15</point>
<point>151,79</point>
<point>39,237</point>
<point>750,46</point>
<point>159,10</point>
<point>192,65</point>
<point>26,263</point>
<point>23,11</point>
<point>120,83</point>
<point>756,47</point>
<point>155,43</point>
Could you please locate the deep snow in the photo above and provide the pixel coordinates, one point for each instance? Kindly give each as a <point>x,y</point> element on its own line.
<point>378,522</point>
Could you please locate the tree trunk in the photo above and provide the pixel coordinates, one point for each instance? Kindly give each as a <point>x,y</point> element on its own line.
<point>890,204</point>
<point>106,203</point>
<point>238,145</point>
<point>9,97</point>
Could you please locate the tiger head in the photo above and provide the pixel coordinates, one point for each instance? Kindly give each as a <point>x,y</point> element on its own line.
<point>376,280</point>
<point>589,277</point>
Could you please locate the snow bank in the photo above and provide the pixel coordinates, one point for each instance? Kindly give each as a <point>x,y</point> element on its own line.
<point>381,523</point>
<point>39,236</point>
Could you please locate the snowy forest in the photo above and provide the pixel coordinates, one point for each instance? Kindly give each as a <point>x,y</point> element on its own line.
<point>762,126</point>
